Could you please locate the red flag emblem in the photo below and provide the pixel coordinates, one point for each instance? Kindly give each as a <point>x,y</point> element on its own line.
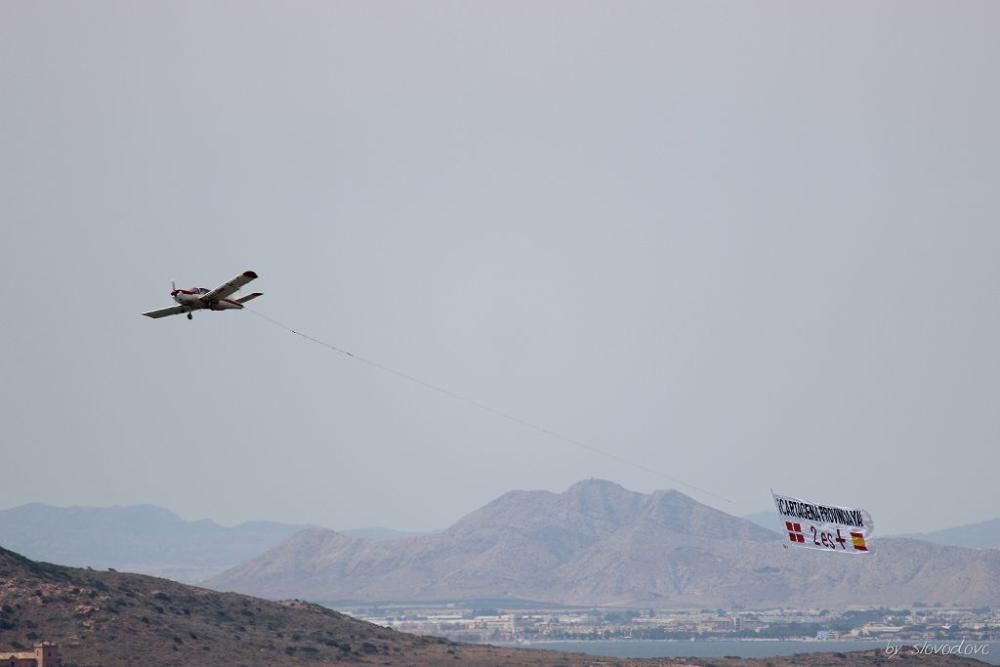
<point>795,532</point>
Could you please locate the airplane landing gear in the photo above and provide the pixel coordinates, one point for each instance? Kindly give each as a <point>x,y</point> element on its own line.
<point>190,316</point>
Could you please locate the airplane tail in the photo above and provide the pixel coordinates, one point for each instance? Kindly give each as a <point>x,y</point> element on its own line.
<point>249,297</point>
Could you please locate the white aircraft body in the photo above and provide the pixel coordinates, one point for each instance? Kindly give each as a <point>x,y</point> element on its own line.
<point>199,298</point>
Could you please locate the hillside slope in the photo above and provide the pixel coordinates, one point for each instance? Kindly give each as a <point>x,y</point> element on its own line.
<point>107,618</point>
<point>110,618</point>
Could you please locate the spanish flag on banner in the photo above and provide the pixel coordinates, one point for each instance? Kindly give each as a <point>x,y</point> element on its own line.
<point>859,541</point>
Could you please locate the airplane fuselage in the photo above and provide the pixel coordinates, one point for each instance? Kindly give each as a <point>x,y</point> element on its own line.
<point>192,300</point>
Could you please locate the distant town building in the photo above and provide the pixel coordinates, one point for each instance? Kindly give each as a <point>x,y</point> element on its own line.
<point>45,654</point>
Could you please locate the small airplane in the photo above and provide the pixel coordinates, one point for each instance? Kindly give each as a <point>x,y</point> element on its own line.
<point>199,298</point>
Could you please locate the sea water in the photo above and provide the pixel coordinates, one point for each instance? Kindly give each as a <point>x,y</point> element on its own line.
<point>988,652</point>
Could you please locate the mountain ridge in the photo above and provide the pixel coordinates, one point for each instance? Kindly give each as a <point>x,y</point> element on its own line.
<point>600,544</point>
<point>144,538</point>
<point>979,535</point>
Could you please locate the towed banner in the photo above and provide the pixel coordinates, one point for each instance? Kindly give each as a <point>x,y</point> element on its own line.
<point>824,527</point>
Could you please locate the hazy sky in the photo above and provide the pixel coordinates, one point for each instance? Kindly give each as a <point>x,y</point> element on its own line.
<point>745,244</point>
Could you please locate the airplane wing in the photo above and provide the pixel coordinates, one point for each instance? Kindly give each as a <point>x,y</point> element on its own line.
<point>229,288</point>
<point>164,312</point>
<point>249,297</point>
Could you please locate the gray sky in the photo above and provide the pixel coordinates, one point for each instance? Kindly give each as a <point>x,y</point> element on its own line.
<point>749,245</point>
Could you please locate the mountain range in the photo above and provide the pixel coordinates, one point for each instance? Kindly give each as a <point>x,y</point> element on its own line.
<point>600,544</point>
<point>664,547</point>
<point>982,535</point>
<point>144,538</point>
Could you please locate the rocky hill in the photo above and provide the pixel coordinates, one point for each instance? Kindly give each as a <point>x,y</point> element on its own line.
<point>598,543</point>
<point>109,618</point>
